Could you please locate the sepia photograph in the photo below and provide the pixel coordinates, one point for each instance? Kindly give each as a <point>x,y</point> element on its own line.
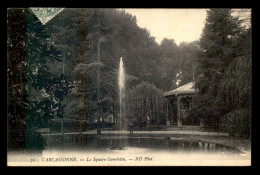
<point>129,86</point>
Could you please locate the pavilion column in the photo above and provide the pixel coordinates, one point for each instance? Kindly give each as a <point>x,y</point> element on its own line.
<point>178,112</point>
<point>167,108</point>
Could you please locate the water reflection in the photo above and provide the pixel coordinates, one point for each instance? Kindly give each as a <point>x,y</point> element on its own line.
<point>158,144</point>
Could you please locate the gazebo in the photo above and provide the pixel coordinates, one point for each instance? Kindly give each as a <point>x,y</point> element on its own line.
<point>179,102</point>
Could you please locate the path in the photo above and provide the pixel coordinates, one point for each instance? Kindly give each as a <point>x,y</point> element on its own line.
<point>112,132</point>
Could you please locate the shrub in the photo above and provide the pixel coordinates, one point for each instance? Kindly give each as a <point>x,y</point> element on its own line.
<point>34,141</point>
<point>237,123</point>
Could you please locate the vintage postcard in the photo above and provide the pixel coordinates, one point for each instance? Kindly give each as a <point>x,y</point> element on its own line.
<point>129,87</point>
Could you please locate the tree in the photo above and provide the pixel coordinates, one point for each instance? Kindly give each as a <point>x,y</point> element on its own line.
<point>145,103</point>
<point>188,55</point>
<point>236,89</point>
<point>169,63</point>
<point>219,67</point>
<point>42,91</point>
<point>177,63</point>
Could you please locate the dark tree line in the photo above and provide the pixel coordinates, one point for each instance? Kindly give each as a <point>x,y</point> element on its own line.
<point>86,35</point>
<point>224,73</point>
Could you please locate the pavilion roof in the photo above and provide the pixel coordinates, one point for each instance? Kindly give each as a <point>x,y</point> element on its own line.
<point>185,89</point>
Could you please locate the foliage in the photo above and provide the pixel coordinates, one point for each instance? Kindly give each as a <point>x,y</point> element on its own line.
<point>145,104</point>
<point>47,89</point>
<point>34,141</point>
<point>118,36</point>
<point>41,91</point>
<point>177,63</point>
<point>223,70</point>
<point>237,123</point>
<point>77,32</point>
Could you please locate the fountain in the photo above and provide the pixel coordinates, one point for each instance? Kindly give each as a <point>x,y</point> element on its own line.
<point>121,84</point>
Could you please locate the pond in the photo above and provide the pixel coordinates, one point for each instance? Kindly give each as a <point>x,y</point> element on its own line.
<point>157,144</point>
<point>108,150</point>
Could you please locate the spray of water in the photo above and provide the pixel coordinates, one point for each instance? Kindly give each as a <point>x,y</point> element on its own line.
<point>121,83</point>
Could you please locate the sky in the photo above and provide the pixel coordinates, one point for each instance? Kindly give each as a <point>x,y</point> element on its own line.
<point>182,25</point>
